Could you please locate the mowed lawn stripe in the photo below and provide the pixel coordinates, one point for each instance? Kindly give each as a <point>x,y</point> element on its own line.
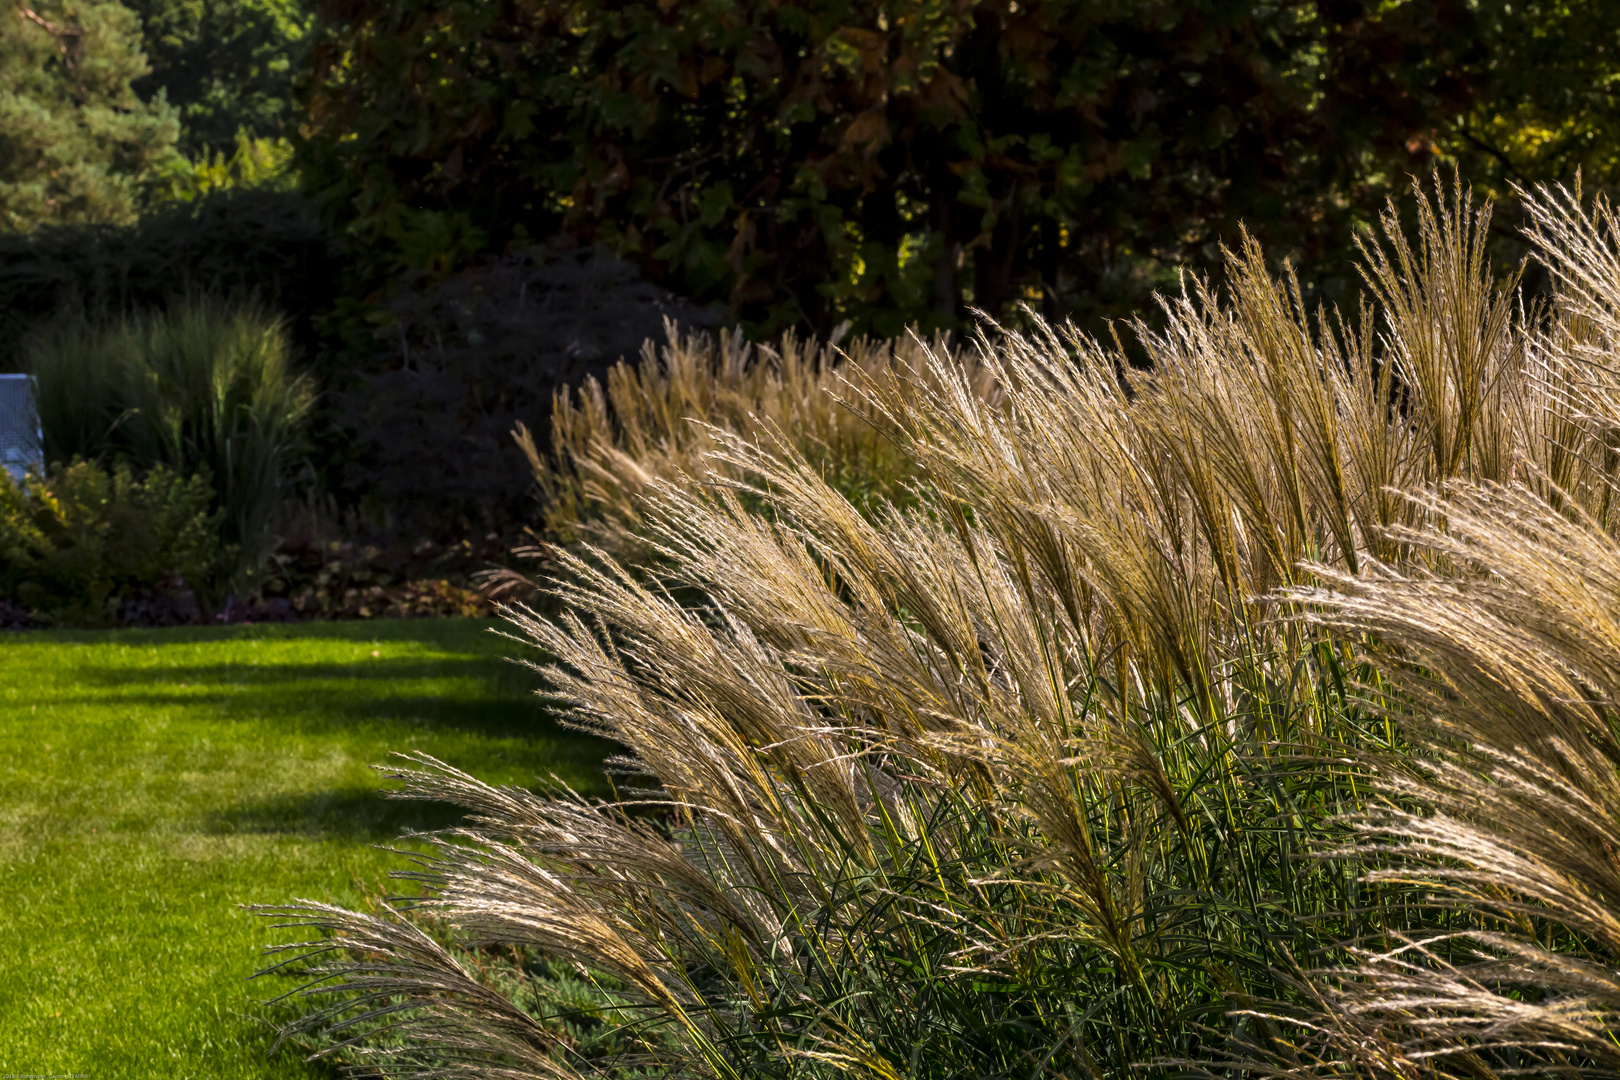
<point>151,781</point>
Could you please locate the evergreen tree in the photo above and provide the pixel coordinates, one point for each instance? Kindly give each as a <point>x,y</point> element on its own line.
<point>76,142</point>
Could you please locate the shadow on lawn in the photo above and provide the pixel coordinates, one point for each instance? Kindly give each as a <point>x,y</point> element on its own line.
<point>447,633</point>
<point>355,711</point>
<point>489,705</point>
<point>502,676</point>
<point>355,814</point>
<point>492,696</point>
<point>461,701</point>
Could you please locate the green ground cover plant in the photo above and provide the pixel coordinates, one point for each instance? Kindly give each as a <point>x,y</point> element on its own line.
<point>79,543</point>
<point>153,780</point>
<point>1252,714</point>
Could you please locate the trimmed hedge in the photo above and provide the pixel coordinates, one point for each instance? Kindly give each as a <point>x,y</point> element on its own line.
<point>265,244</point>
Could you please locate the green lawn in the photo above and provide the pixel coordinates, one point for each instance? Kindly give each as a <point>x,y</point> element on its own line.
<point>151,781</point>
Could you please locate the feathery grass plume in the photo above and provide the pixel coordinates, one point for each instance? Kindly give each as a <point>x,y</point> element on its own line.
<point>1450,335</point>
<point>1574,414</point>
<point>1503,640</point>
<point>653,421</point>
<point>912,839</point>
<point>896,758</point>
<point>1017,780</point>
<point>1507,810</point>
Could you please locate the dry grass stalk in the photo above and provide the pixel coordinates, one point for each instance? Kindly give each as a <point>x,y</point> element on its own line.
<point>1508,810</point>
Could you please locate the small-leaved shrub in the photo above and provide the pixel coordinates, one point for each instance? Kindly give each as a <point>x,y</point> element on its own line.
<point>80,543</point>
<point>426,411</point>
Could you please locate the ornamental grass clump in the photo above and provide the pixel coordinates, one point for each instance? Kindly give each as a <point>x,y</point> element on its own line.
<point>1093,758</point>
<point>659,419</point>
<point>1502,631</point>
<point>202,388</point>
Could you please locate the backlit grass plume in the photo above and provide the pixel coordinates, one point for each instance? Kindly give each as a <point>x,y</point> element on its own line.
<point>1078,765</point>
<point>1502,635</point>
<point>654,420</point>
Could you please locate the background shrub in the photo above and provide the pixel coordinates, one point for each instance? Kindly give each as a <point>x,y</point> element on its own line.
<point>81,543</point>
<point>424,428</point>
<point>201,388</point>
<point>884,163</point>
<point>895,163</point>
<point>230,69</point>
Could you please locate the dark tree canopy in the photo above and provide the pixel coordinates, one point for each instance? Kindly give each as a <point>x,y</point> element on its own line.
<point>887,161</point>
<point>1551,101</point>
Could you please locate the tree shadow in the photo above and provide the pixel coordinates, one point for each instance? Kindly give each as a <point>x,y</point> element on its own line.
<point>352,814</point>
<point>461,701</point>
<point>361,710</point>
<point>495,697</point>
<point>454,634</point>
<point>391,669</point>
<point>503,676</point>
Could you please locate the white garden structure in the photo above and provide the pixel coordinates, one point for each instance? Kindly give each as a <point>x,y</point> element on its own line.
<point>20,436</point>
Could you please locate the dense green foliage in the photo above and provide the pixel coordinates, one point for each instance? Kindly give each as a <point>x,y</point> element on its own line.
<point>153,780</point>
<point>1547,106</point>
<point>78,543</point>
<point>253,164</point>
<point>76,142</point>
<point>229,69</point>
<point>204,389</point>
<point>894,161</point>
<point>112,108</point>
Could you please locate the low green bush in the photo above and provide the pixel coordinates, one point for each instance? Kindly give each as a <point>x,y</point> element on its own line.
<point>80,542</point>
<point>202,389</point>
